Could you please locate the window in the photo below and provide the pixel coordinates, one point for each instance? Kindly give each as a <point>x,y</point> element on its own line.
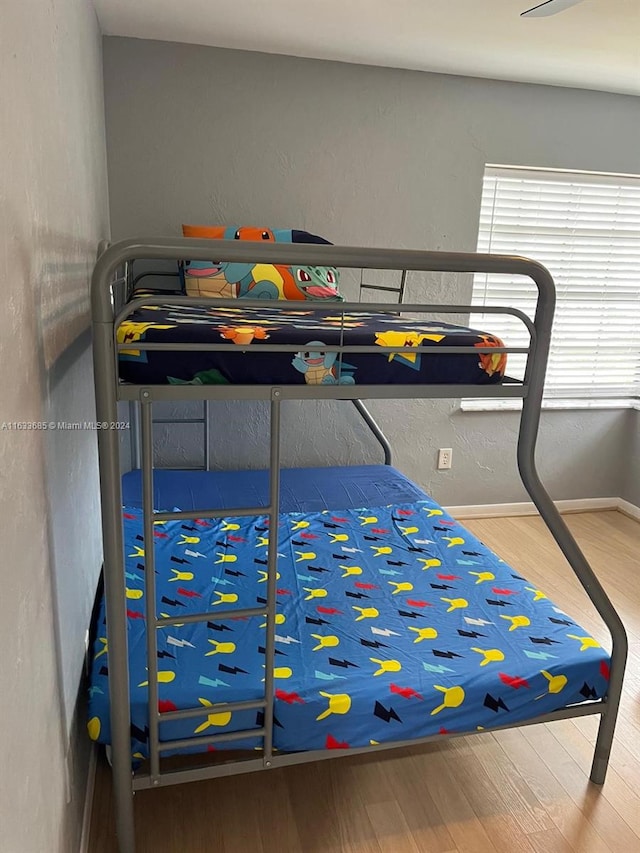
<point>585,228</point>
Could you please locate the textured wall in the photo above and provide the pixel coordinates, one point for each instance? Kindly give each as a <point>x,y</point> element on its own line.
<point>53,211</point>
<point>364,156</point>
<point>631,483</point>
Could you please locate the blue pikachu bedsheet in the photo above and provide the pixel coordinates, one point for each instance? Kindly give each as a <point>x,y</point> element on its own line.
<point>393,622</point>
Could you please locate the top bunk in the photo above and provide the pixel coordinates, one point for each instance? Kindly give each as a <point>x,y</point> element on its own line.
<point>202,341</point>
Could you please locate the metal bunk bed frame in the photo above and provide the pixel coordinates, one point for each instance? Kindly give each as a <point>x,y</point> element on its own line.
<point>106,317</point>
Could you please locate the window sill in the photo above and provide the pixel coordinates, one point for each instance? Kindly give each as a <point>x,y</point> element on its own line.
<point>514,405</point>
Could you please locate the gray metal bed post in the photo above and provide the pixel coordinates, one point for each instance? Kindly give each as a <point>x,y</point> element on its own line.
<point>272,574</point>
<point>527,439</point>
<point>368,418</point>
<point>134,435</point>
<point>106,380</point>
<point>150,587</point>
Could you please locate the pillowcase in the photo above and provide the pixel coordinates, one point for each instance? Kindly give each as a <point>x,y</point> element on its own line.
<point>229,280</point>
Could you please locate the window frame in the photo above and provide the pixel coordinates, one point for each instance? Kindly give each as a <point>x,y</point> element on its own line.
<point>556,400</point>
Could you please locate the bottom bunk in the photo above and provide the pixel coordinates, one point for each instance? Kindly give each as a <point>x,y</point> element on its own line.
<point>393,621</point>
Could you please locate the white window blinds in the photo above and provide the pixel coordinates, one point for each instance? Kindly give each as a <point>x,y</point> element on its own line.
<point>585,228</point>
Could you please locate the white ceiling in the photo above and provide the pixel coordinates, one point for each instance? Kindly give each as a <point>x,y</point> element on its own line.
<point>594,45</point>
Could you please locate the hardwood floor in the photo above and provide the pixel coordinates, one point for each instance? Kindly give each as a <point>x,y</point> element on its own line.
<point>515,791</point>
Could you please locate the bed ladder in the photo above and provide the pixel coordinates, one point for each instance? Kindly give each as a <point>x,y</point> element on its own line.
<point>135,439</point>
<point>136,452</point>
<point>385,288</point>
<point>360,407</point>
<point>267,610</point>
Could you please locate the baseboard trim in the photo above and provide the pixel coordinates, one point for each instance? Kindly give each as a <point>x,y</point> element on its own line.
<point>88,800</point>
<point>629,509</point>
<point>528,508</point>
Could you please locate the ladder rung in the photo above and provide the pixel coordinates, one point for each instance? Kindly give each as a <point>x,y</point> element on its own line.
<point>211,513</point>
<point>201,741</point>
<point>218,616</point>
<point>179,421</point>
<point>202,711</point>
<point>380,287</point>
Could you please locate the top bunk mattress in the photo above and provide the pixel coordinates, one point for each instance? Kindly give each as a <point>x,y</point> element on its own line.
<point>311,330</point>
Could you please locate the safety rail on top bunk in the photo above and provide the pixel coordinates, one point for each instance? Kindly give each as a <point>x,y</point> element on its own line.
<point>109,390</point>
<point>508,388</point>
<point>123,289</point>
<point>105,312</point>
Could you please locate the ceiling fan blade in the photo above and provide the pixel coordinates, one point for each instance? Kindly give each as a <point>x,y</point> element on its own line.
<point>549,7</point>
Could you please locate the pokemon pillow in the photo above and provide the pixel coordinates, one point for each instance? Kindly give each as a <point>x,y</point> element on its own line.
<point>229,280</point>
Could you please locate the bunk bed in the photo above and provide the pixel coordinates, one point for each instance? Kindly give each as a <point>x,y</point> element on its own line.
<point>301,614</point>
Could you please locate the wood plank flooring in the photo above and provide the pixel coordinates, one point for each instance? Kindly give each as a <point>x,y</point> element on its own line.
<point>517,791</point>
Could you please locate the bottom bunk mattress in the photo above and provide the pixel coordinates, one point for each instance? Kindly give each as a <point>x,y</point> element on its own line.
<point>393,623</point>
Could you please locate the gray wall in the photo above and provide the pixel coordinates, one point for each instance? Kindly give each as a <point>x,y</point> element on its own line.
<point>53,211</point>
<point>364,156</point>
<point>631,482</point>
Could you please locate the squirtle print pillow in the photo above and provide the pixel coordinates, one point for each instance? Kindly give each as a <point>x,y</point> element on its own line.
<point>231,280</point>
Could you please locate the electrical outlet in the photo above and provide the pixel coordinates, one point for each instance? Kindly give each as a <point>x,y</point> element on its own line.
<point>445,457</point>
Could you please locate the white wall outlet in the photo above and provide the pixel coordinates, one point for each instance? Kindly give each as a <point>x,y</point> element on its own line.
<point>445,457</point>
